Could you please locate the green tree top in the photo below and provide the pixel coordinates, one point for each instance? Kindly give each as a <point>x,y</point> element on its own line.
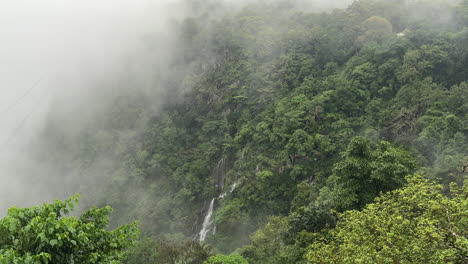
<point>363,172</point>
<point>221,259</point>
<point>376,28</point>
<point>46,234</point>
<point>416,224</point>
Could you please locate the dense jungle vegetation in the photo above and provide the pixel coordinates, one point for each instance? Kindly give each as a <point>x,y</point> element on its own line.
<point>337,137</point>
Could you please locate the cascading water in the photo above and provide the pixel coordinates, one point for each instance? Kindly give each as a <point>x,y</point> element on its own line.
<point>233,187</point>
<point>207,221</point>
<point>221,196</point>
<point>219,175</point>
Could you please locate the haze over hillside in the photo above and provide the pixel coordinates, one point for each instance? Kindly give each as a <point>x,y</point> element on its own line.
<point>75,55</point>
<point>252,131</point>
<point>69,55</point>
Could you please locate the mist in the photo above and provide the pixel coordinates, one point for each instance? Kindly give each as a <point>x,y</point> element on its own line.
<point>244,129</point>
<point>66,61</point>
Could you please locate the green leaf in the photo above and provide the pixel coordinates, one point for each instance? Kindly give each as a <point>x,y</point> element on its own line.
<point>53,242</point>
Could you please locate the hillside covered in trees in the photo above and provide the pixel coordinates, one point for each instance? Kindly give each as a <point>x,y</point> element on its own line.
<point>289,136</point>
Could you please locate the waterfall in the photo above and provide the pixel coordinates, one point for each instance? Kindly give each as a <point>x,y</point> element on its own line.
<point>233,187</point>
<point>221,197</point>
<point>207,221</point>
<point>219,175</point>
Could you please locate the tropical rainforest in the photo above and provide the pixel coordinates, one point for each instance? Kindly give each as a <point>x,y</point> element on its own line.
<point>286,136</point>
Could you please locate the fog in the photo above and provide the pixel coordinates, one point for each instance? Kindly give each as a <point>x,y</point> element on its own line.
<point>55,51</point>
<point>66,59</point>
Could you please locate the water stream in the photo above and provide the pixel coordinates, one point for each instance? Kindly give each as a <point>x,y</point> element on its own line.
<point>207,221</point>
<point>219,175</point>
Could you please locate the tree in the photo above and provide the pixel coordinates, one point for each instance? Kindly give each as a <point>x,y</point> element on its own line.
<point>362,173</point>
<point>415,224</point>
<point>221,259</point>
<point>46,234</point>
<point>266,242</point>
<point>375,29</point>
<point>151,251</point>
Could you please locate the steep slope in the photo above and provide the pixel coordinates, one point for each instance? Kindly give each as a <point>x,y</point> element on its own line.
<point>279,113</point>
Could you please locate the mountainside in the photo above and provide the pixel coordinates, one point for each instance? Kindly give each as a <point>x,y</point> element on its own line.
<point>277,124</point>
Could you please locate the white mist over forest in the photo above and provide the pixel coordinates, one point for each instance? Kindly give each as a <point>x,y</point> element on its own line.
<point>61,52</point>
<point>233,131</point>
<point>74,55</point>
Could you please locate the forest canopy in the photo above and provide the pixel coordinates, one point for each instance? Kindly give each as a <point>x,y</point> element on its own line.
<point>286,136</point>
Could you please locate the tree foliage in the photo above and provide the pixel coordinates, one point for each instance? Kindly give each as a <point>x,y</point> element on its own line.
<point>285,117</point>
<point>362,173</point>
<point>46,234</point>
<point>151,251</point>
<point>415,224</point>
<point>220,259</point>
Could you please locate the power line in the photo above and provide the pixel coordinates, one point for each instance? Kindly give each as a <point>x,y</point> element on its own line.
<point>18,100</point>
<point>20,126</point>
